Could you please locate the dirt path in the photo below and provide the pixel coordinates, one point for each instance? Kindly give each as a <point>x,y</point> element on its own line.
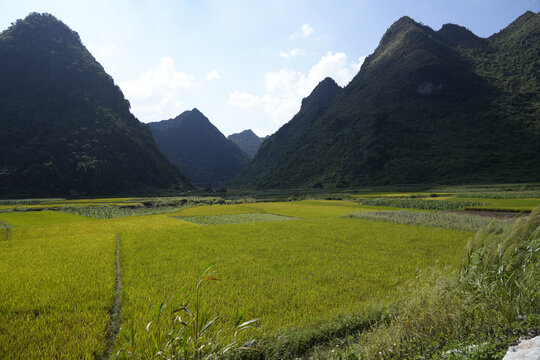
<point>115,321</point>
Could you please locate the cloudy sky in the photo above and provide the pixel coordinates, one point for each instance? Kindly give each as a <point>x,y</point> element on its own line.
<point>244,64</point>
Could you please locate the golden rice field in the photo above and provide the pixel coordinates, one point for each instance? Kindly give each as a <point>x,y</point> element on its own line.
<point>57,270</point>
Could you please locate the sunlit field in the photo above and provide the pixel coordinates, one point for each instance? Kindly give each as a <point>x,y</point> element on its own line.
<point>289,264</point>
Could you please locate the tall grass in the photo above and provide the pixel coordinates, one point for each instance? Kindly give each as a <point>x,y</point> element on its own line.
<point>503,266</point>
<point>436,219</point>
<point>109,212</point>
<point>25,201</point>
<point>192,332</point>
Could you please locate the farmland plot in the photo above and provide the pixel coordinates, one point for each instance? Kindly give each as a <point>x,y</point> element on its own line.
<point>58,269</point>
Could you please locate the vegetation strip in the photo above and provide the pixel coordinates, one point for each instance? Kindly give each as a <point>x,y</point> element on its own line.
<point>115,312</point>
<point>414,203</point>
<point>234,219</point>
<point>436,219</point>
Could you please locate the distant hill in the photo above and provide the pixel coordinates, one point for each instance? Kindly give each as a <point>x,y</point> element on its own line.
<point>66,127</point>
<point>426,107</point>
<point>198,148</point>
<point>247,141</point>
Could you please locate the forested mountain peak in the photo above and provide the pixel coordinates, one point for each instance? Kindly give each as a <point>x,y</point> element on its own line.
<point>198,148</point>
<point>323,93</point>
<point>247,141</point>
<point>66,127</point>
<point>38,27</point>
<point>457,35</point>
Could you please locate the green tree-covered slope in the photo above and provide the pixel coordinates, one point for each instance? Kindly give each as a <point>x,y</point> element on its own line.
<point>198,148</point>
<point>267,167</point>
<point>66,127</point>
<point>247,141</point>
<point>426,107</point>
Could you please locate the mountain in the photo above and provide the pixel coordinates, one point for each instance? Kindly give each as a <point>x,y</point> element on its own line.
<point>266,170</point>
<point>247,141</point>
<point>426,107</point>
<point>198,148</point>
<point>66,127</point>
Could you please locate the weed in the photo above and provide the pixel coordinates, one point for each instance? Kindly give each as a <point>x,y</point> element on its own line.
<point>503,266</point>
<point>193,332</point>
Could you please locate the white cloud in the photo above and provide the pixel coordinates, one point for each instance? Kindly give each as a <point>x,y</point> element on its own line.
<point>285,88</point>
<point>243,100</point>
<point>333,65</point>
<point>261,132</point>
<point>304,31</point>
<point>213,75</point>
<point>307,30</point>
<point>156,93</point>
<point>292,53</point>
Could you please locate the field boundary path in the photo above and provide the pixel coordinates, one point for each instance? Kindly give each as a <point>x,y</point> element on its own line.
<point>115,321</point>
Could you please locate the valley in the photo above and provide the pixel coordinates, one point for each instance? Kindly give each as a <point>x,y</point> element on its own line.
<point>395,215</point>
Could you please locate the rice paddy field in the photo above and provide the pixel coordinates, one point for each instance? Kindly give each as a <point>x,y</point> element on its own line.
<point>295,264</point>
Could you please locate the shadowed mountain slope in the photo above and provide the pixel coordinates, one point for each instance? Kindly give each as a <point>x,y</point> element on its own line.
<point>198,148</point>
<point>66,127</point>
<point>247,141</point>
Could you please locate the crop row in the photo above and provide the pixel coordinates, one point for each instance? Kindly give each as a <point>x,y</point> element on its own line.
<point>420,203</point>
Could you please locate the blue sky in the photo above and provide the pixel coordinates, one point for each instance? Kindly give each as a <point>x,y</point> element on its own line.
<point>244,64</point>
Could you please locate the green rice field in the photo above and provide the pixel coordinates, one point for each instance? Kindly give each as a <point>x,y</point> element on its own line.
<point>289,264</point>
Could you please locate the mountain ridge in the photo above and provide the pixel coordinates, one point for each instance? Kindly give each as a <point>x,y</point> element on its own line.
<point>422,109</point>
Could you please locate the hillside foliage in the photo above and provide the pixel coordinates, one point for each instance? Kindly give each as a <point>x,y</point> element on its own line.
<point>426,107</point>
<point>66,127</point>
<point>198,148</point>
